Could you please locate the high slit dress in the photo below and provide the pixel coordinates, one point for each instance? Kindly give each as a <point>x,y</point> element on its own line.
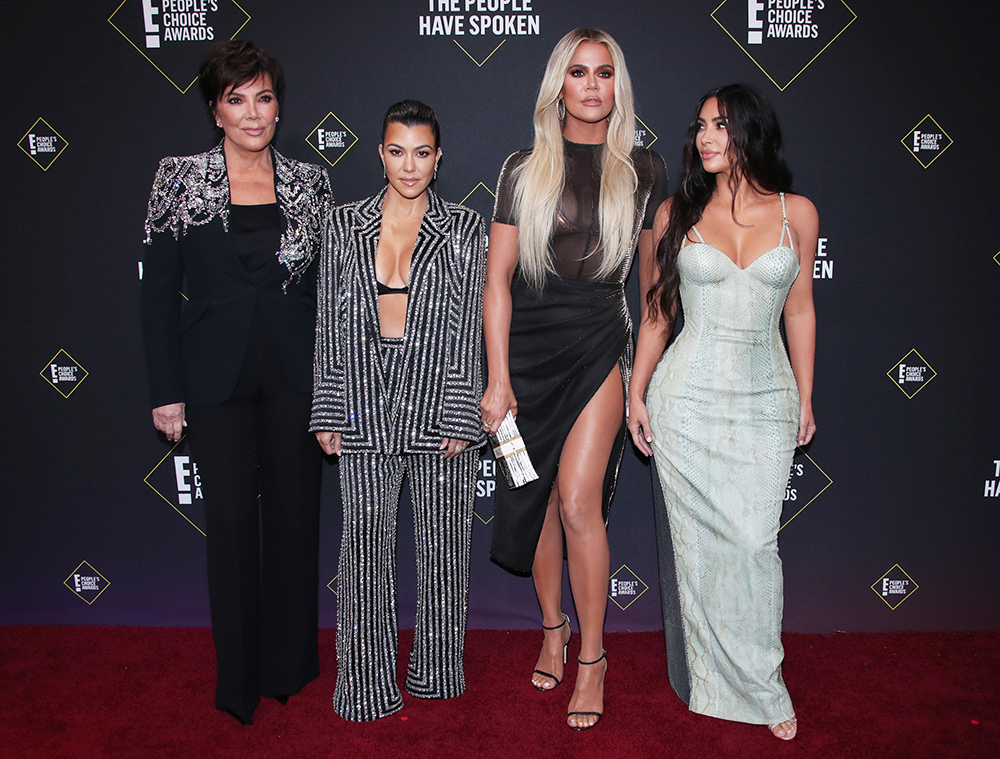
<point>724,411</point>
<point>567,337</point>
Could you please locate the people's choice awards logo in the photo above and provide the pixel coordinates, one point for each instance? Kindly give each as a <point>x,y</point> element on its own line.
<point>173,35</point>
<point>86,583</point>
<point>63,373</point>
<point>644,136</point>
<point>894,587</point>
<point>177,480</point>
<point>911,374</point>
<point>626,587</point>
<point>926,141</point>
<point>475,25</point>
<point>806,482</point>
<point>42,144</point>
<point>783,36</point>
<point>331,138</point>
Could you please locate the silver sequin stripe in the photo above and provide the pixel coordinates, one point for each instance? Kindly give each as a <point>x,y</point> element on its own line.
<point>443,494</point>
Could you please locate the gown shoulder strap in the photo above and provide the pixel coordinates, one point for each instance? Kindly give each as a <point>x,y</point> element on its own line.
<point>784,225</point>
<point>700,238</point>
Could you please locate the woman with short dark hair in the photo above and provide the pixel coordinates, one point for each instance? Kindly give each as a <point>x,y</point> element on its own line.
<point>238,229</point>
<point>726,406</point>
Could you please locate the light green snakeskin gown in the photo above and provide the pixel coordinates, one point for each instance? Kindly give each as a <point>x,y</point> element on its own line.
<point>724,411</point>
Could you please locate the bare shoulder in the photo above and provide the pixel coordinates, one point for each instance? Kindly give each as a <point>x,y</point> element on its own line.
<point>801,211</point>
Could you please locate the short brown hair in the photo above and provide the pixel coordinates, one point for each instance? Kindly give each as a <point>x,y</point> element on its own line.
<point>233,63</point>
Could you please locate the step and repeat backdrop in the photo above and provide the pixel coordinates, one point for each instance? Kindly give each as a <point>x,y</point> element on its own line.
<point>889,110</point>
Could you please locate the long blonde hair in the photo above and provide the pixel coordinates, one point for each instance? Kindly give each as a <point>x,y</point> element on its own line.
<point>539,181</point>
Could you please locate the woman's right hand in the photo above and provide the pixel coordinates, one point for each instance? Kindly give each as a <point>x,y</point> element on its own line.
<point>638,425</point>
<point>330,442</point>
<point>497,401</point>
<point>169,420</point>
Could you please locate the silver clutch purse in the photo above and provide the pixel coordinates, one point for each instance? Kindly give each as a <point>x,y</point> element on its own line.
<point>511,455</point>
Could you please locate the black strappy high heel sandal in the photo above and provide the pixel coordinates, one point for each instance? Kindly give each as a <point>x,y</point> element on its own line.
<point>564,623</point>
<point>604,658</point>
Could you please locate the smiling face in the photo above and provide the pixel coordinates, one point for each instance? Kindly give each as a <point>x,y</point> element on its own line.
<point>409,156</point>
<point>589,84</point>
<point>713,138</point>
<point>247,114</point>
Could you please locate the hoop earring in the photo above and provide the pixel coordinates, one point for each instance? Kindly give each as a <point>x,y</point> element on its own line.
<point>561,109</point>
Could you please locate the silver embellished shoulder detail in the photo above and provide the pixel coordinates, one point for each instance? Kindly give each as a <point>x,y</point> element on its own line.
<point>188,191</point>
<point>194,190</point>
<point>306,199</point>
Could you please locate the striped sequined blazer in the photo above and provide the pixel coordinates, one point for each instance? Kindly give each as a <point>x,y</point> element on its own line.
<point>442,337</point>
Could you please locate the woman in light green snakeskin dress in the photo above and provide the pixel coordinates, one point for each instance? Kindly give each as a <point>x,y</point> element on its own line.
<point>726,407</point>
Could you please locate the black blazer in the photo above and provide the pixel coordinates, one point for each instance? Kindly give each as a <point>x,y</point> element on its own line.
<point>194,351</point>
<point>442,373</point>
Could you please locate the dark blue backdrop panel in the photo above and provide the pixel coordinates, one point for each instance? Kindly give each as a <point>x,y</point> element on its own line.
<point>891,514</point>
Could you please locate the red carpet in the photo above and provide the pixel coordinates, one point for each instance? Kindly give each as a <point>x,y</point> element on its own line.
<point>83,692</point>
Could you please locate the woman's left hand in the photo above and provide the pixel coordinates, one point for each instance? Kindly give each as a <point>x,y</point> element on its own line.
<point>453,446</point>
<point>807,425</point>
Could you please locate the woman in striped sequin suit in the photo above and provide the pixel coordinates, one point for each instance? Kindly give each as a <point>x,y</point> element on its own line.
<point>397,388</point>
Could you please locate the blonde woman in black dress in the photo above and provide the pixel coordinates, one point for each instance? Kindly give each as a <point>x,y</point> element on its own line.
<point>569,215</point>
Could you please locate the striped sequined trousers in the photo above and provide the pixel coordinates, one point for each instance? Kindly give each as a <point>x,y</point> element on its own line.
<point>443,493</point>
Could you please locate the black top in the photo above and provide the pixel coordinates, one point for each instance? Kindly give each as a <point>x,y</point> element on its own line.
<point>256,234</point>
<point>577,225</point>
<point>383,289</point>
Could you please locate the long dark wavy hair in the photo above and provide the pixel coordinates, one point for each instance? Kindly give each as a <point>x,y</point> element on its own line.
<point>755,154</point>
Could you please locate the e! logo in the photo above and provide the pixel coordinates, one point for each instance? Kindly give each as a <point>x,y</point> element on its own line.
<point>152,29</point>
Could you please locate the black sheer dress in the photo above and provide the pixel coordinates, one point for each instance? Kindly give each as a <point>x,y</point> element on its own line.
<point>566,338</point>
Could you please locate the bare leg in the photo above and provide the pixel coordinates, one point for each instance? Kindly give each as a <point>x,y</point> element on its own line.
<point>547,573</point>
<point>580,488</point>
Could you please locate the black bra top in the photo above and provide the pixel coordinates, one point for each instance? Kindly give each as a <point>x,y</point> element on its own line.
<point>386,290</point>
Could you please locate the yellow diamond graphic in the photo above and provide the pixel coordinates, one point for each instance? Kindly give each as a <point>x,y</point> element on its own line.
<point>64,373</point>
<point>332,586</point>
<point>174,39</point>
<point>331,139</point>
<point>481,199</point>
<point>640,135</point>
<point>926,141</point>
<point>42,144</point>
<point>86,583</point>
<point>894,587</point>
<point>783,42</point>
<point>163,480</point>
<point>997,258</point>
<point>911,373</point>
<point>473,58</point>
<point>626,587</point>
<point>806,483</point>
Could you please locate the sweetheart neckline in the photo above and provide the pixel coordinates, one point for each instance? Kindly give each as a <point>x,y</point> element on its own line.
<point>730,258</point>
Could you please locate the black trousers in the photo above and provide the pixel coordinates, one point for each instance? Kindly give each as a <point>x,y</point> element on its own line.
<point>263,553</point>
